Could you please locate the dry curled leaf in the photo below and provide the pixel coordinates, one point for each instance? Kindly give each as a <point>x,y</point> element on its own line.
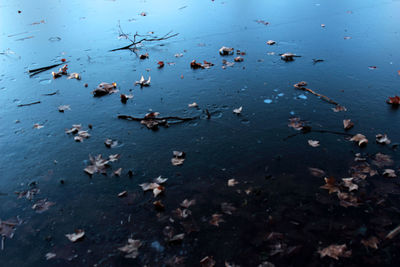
<point>142,82</point>
<point>360,139</point>
<point>238,110</point>
<point>79,234</point>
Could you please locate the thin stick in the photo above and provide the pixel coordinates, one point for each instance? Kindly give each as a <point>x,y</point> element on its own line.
<point>134,42</point>
<point>131,118</point>
<point>45,68</point>
<point>327,99</point>
<point>29,104</point>
<point>50,94</point>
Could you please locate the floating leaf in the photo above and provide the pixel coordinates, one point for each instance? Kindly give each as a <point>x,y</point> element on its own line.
<point>79,234</point>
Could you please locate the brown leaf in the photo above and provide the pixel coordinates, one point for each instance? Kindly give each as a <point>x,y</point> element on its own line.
<point>42,205</point>
<point>382,160</point>
<point>142,82</point>
<point>216,219</point>
<point>335,251</point>
<point>348,182</point>
<point>313,143</point>
<point>207,262</point>
<point>348,124</point>
<point>178,158</point>
<point>382,139</point>
<point>359,139</point>
<point>105,89</point>
<point>339,108</point>
<point>395,101</point>
<point>98,165</point>
<point>330,185</point>
<point>348,200</point>
<point>223,51</point>
<point>371,242</point>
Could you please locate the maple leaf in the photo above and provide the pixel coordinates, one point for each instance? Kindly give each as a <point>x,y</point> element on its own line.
<point>330,184</point>
<point>335,251</point>
<point>155,187</point>
<point>98,165</point>
<point>131,249</point>
<point>348,182</point>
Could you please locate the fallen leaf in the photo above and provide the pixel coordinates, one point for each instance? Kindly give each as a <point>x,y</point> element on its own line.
<point>271,42</point>
<point>131,249</point>
<point>63,108</point>
<point>187,203</point>
<point>238,59</point>
<point>348,124</point>
<point>178,158</point>
<point>114,157</point>
<point>124,97</point>
<point>347,200</point>
<point>238,110</point>
<point>382,139</point>
<point>156,188</point>
<point>75,129</point>
<point>371,242</point>
<point>50,256</point>
<point>79,234</point>
<point>37,126</point>
<point>359,139</point>
<point>296,123</point>
<point>348,182</point>
<point>122,194</point>
<point>382,160</point>
<point>142,82</point>
<point>160,180</point>
<point>232,182</point>
<point>339,108</point>
<point>395,101</point>
<point>105,89</point>
<point>118,172</point>
<point>7,228</point>
<point>288,56</point>
<point>335,251</point>
<point>98,164</point>
<point>42,205</point>
<point>224,51</point>
<point>193,105</point>
<point>74,75</point>
<point>160,64</point>
<point>389,173</point>
<point>313,143</point>
<point>158,205</point>
<point>216,219</point>
<point>227,208</point>
<point>207,262</point>
<point>330,184</point>
<point>144,56</point>
<point>110,143</point>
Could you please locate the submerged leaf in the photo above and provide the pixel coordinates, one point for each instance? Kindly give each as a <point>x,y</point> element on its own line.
<point>335,251</point>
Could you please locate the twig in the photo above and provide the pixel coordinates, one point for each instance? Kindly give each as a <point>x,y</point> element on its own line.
<point>45,68</point>
<point>131,118</point>
<point>393,233</point>
<point>50,94</point>
<point>148,38</point>
<point>327,99</point>
<point>29,104</point>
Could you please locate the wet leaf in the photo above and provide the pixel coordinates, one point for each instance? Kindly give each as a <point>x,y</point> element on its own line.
<point>178,158</point>
<point>7,228</point>
<point>79,234</point>
<point>37,126</point>
<point>335,251</point>
<point>122,194</point>
<point>110,143</point>
<point>271,42</point>
<point>156,188</point>
<point>316,172</point>
<point>50,256</point>
<point>348,124</point>
<point>131,249</point>
<point>238,59</point>
<point>348,182</point>
<point>339,108</point>
<point>74,75</point>
<point>144,56</point>
<point>118,172</point>
<point>160,64</point>
<point>348,200</point>
<point>395,101</point>
<point>193,105</point>
<point>124,97</point>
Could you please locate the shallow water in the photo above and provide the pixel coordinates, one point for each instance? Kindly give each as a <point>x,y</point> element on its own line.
<point>252,147</point>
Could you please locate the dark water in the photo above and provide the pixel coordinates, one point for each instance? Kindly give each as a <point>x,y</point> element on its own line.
<point>252,148</point>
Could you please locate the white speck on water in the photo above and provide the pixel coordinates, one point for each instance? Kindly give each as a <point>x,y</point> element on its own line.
<point>281,94</point>
<point>267,101</point>
<point>292,112</point>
